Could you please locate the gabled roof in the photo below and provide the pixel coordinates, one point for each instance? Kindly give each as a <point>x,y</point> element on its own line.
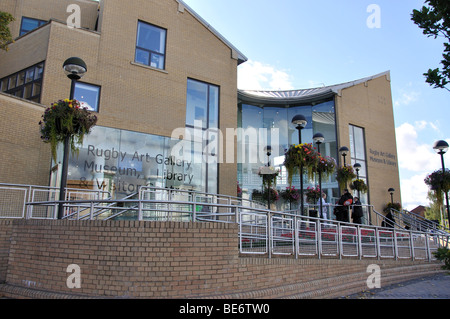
<point>236,53</point>
<point>303,95</point>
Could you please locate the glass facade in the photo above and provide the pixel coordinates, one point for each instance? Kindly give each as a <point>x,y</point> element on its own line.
<point>274,127</point>
<point>358,155</point>
<point>120,161</point>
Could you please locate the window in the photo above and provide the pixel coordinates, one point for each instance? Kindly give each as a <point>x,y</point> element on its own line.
<point>25,84</point>
<point>88,95</point>
<point>358,153</point>
<point>29,24</point>
<point>150,45</point>
<point>202,113</point>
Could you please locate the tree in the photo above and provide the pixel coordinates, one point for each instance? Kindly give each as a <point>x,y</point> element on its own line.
<point>5,33</point>
<point>433,212</point>
<point>435,22</point>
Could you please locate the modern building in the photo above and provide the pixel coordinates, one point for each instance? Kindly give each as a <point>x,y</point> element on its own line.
<point>157,75</point>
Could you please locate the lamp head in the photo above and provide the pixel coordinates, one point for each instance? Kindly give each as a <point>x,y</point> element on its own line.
<point>344,150</point>
<point>318,138</point>
<point>74,68</point>
<point>300,121</point>
<point>441,147</point>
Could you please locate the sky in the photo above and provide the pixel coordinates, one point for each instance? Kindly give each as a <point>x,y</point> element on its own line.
<point>299,44</point>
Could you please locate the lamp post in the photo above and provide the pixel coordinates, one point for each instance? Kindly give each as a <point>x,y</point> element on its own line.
<point>391,191</point>
<point>344,151</point>
<point>269,152</point>
<point>441,147</point>
<point>357,167</point>
<point>300,122</point>
<point>319,139</point>
<point>74,68</point>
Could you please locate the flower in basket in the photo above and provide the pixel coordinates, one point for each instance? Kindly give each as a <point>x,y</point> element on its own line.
<point>263,196</point>
<point>66,118</point>
<point>290,194</point>
<point>326,166</point>
<point>439,183</point>
<point>269,175</point>
<point>345,175</point>
<point>302,155</point>
<point>359,185</point>
<point>312,194</point>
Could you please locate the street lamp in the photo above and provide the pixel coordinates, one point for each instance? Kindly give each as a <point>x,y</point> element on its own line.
<point>268,149</point>
<point>441,147</point>
<point>300,122</point>
<point>319,139</point>
<point>344,151</point>
<point>74,68</point>
<point>391,191</point>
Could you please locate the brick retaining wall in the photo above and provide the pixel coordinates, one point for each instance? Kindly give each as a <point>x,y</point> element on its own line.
<point>128,259</point>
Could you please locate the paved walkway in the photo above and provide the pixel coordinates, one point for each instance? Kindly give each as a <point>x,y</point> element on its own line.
<point>432,287</point>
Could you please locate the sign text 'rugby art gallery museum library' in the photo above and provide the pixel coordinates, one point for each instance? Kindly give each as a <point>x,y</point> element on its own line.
<point>162,84</point>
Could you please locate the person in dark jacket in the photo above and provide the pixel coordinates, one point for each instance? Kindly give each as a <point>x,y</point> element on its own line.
<point>357,213</point>
<point>343,206</point>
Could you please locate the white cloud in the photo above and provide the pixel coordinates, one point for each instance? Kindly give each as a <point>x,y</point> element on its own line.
<point>406,96</point>
<point>416,161</point>
<point>253,75</point>
<point>414,191</point>
<point>412,155</point>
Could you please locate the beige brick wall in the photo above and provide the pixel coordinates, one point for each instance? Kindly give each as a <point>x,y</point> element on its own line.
<point>172,260</point>
<point>369,105</point>
<point>133,97</point>
<point>24,158</point>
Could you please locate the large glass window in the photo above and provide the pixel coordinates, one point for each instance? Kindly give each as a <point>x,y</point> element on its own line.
<point>119,161</point>
<point>273,125</point>
<point>150,45</point>
<point>88,95</point>
<point>358,154</point>
<point>29,24</point>
<point>202,118</point>
<point>25,84</point>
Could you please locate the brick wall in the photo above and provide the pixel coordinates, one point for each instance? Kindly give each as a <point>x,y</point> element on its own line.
<point>170,260</point>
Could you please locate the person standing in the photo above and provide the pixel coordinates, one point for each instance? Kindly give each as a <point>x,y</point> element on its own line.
<point>343,207</point>
<point>324,213</point>
<point>357,212</point>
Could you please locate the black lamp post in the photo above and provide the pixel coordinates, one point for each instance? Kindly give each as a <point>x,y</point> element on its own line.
<point>269,152</point>
<point>441,147</point>
<point>344,151</point>
<point>74,68</point>
<point>319,139</point>
<point>391,191</point>
<point>300,122</point>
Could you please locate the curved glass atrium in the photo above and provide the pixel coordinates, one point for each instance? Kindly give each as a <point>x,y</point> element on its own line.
<point>271,116</point>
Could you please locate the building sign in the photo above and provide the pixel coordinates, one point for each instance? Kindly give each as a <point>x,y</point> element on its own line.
<point>120,161</point>
<point>384,158</point>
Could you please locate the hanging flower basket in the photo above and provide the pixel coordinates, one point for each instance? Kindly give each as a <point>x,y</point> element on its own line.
<point>269,175</point>
<point>439,183</point>
<point>326,166</point>
<point>345,175</point>
<point>389,206</point>
<point>301,155</point>
<point>263,196</point>
<point>66,118</point>
<point>312,194</point>
<point>359,185</point>
<point>290,194</point>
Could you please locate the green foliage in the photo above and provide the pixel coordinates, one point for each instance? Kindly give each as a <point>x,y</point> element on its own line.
<point>443,254</point>
<point>5,33</point>
<point>434,20</point>
<point>66,118</point>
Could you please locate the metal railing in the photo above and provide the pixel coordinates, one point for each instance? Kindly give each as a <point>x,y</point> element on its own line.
<point>261,231</point>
